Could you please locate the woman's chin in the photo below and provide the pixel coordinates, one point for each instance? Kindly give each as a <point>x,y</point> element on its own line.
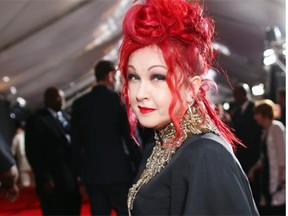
<point>147,125</point>
<point>153,125</point>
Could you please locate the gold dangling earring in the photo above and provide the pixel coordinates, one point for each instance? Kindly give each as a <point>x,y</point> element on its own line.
<point>190,104</point>
<point>190,111</point>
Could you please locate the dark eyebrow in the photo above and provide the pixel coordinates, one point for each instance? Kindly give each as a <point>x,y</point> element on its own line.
<point>153,66</point>
<point>131,67</point>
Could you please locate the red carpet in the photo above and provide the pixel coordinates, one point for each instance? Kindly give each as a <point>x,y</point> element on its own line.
<point>28,205</point>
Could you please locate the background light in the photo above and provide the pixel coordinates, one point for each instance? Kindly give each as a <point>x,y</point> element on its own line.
<point>211,74</point>
<point>21,101</point>
<point>221,48</point>
<point>258,90</point>
<point>13,90</point>
<point>268,52</point>
<point>6,79</point>
<point>269,60</point>
<point>226,106</point>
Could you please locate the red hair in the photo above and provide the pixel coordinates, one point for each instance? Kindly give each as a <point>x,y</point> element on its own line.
<point>184,36</point>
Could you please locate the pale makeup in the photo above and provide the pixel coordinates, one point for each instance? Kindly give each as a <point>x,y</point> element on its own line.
<point>148,91</point>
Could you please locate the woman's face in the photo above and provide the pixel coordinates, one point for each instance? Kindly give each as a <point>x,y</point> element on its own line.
<point>261,120</point>
<point>148,92</point>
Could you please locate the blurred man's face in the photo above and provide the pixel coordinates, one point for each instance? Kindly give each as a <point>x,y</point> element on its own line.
<point>112,79</point>
<point>239,96</point>
<point>56,101</point>
<point>262,120</point>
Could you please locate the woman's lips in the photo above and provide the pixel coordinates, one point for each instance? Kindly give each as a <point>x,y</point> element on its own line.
<point>145,110</point>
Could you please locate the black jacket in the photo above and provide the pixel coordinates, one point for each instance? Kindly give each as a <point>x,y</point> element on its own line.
<point>6,157</point>
<point>249,132</point>
<point>99,132</point>
<point>6,135</point>
<point>202,178</point>
<point>49,151</point>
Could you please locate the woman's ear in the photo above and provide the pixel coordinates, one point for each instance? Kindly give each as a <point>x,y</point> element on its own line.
<point>196,83</point>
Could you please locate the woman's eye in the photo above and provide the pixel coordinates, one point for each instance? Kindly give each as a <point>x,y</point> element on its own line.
<point>158,77</point>
<point>132,77</point>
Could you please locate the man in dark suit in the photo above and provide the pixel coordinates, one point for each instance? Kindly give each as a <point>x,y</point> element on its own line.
<point>99,127</point>
<point>48,150</point>
<point>246,129</point>
<point>8,169</point>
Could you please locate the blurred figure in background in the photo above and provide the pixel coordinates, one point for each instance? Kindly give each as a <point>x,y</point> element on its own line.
<point>18,150</point>
<point>247,130</point>
<point>99,133</point>
<point>223,115</point>
<point>281,100</point>
<point>48,150</point>
<point>8,173</point>
<point>272,160</point>
<point>8,169</point>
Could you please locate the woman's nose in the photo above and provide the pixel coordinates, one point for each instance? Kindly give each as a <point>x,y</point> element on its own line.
<point>142,91</point>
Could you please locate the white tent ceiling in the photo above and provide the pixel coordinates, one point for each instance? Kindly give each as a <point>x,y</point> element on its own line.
<point>57,42</point>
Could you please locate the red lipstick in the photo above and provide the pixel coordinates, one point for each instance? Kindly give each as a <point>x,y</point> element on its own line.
<point>145,110</point>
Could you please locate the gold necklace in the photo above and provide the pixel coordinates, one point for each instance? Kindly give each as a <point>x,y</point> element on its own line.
<point>166,146</point>
<point>159,158</point>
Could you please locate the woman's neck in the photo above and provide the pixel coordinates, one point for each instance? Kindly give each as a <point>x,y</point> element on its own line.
<point>191,124</point>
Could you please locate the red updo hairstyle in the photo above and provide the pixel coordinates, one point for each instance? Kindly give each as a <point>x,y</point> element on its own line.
<point>184,36</point>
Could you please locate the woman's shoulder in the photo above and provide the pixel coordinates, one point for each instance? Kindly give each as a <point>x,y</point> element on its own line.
<point>206,143</point>
<point>205,152</point>
<point>277,125</point>
<point>206,147</point>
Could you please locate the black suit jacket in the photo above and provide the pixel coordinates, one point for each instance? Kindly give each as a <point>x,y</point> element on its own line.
<point>99,130</point>
<point>6,134</point>
<point>49,151</point>
<point>247,130</point>
<point>6,157</point>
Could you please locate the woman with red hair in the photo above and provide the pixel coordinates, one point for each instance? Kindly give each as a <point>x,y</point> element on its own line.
<point>191,168</point>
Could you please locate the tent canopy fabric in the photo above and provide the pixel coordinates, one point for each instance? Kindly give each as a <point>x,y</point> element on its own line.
<point>56,43</point>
